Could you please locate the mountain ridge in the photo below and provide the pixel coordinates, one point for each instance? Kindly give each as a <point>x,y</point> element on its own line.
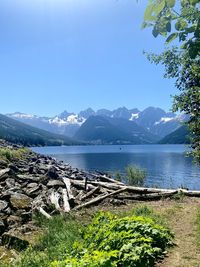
<point>155,120</point>
<point>17,132</point>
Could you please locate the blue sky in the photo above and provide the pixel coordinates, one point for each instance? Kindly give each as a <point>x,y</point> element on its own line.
<point>60,55</point>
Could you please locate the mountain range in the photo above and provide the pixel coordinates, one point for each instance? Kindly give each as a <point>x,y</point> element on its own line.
<point>20,133</point>
<point>119,126</point>
<point>156,120</point>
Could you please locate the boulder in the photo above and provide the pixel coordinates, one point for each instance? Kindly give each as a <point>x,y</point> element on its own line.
<point>4,173</point>
<point>25,177</point>
<point>3,163</point>
<point>33,191</point>
<point>2,227</point>
<point>55,183</point>
<point>20,201</point>
<point>13,220</point>
<point>12,239</point>
<point>52,172</point>
<point>3,205</point>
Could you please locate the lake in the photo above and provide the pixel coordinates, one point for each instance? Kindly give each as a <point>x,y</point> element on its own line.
<point>166,165</point>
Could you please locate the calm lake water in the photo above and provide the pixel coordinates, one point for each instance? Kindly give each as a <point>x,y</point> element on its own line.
<point>166,165</point>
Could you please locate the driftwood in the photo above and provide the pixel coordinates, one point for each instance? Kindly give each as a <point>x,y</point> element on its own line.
<point>90,193</point>
<point>54,199</point>
<point>68,187</point>
<point>98,199</point>
<point>66,205</point>
<point>153,196</point>
<point>44,213</point>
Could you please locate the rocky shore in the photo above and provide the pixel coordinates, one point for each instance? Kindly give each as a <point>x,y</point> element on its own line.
<point>34,183</point>
<point>37,183</point>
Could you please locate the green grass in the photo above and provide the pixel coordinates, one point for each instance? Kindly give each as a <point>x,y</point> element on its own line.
<point>198,227</point>
<point>135,176</point>
<point>63,236</point>
<point>8,154</point>
<point>58,236</point>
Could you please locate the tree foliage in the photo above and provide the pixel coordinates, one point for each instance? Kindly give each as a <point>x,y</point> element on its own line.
<point>180,20</point>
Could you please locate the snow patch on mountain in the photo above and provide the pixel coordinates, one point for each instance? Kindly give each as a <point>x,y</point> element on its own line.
<point>163,120</point>
<point>69,120</point>
<point>20,115</point>
<point>75,119</point>
<point>134,116</point>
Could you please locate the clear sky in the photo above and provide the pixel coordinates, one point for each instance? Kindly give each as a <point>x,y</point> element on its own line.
<point>60,55</point>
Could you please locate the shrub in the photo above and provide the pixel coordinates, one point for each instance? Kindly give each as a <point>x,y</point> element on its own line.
<point>110,241</point>
<point>135,176</point>
<point>118,176</point>
<point>12,154</point>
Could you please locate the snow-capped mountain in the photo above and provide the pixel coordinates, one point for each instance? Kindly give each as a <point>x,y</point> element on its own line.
<point>154,120</point>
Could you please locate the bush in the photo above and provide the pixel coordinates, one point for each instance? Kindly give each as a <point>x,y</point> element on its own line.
<point>118,177</point>
<point>110,241</point>
<point>135,176</point>
<point>12,154</point>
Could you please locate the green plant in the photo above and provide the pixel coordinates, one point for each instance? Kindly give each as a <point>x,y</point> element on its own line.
<point>58,237</point>
<point>9,154</point>
<point>110,241</point>
<point>118,176</point>
<point>135,176</point>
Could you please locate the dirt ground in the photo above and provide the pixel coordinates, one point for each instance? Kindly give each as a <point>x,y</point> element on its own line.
<point>180,215</point>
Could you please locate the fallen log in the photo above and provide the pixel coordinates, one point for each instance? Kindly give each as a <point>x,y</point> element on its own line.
<point>66,205</point>
<point>104,178</point>
<point>81,185</point>
<point>68,186</point>
<point>44,213</point>
<point>152,196</point>
<point>189,193</point>
<point>133,189</point>
<point>99,198</point>
<point>54,199</point>
<point>90,193</point>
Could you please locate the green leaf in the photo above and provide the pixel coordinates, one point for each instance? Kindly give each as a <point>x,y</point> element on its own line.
<point>171,37</point>
<point>194,2</point>
<point>171,3</point>
<point>155,32</point>
<point>158,8</point>
<point>180,25</point>
<point>193,52</point>
<point>148,13</point>
<point>168,26</point>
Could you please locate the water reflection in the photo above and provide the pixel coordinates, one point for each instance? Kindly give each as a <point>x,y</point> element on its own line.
<point>166,165</point>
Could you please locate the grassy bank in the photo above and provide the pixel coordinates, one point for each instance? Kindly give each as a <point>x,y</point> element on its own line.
<point>56,246</point>
<point>8,154</point>
<point>136,238</point>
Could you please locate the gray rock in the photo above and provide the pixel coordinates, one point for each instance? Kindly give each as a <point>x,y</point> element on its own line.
<point>20,201</point>
<point>14,220</point>
<point>2,227</point>
<point>3,163</point>
<point>33,191</point>
<point>3,205</point>
<point>52,172</point>
<point>4,173</point>
<point>55,183</point>
<point>26,216</point>
<point>31,185</point>
<point>10,182</point>
<point>28,178</point>
<point>14,240</point>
